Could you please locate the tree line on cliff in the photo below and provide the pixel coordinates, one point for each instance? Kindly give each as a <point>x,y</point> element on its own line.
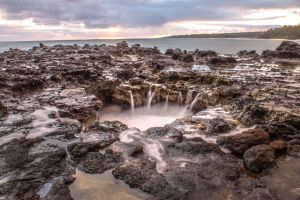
<point>285,32</point>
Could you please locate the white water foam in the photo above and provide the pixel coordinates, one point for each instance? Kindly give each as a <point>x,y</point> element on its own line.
<point>45,190</point>
<point>131,101</point>
<point>143,118</point>
<point>42,123</point>
<point>152,147</point>
<point>150,96</point>
<point>201,68</point>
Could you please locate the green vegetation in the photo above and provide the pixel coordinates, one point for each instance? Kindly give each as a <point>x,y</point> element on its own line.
<point>285,32</point>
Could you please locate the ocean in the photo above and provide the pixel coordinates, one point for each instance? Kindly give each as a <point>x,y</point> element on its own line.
<point>223,46</point>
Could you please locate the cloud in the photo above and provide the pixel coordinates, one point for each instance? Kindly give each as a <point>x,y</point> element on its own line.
<point>131,13</point>
<point>75,19</point>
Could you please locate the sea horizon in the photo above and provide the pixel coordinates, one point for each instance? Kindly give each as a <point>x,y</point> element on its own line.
<point>219,45</point>
<point>143,38</point>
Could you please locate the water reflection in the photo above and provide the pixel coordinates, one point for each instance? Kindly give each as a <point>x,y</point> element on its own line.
<point>102,187</point>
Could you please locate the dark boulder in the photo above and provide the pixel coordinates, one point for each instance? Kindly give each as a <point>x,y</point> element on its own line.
<point>42,45</point>
<point>246,53</point>
<point>197,147</point>
<point>222,61</point>
<point>122,44</point>
<point>239,143</point>
<point>259,157</point>
<point>187,58</point>
<point>168,132</point>
<point>177,53</point>
<point>217,125</point>
<point>268,53</point>
<point>169,52</point>
<point>288,49</point>
<point>279,146</point>
<point>136,46</point>
<point>205,54</point>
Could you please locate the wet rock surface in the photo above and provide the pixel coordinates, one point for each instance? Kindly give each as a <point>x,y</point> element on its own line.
<point>3,110</point>
<point>237,135</point>
<point>241,142</point>
<point>259,157</point>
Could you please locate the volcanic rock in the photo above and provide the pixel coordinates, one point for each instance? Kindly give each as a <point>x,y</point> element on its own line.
<point>177,53</point>
<point>279,146</point>
<point>169,52</point>
<point>246,53</point>
<point>259,157</point>
<point>3,110</point>
<point>218,125</point>
<point>288,49</point>
<point>205,54</point>
<point>187,58</point>
<point>239,143</point>
<point>136,81</point>
<point>222,61</point>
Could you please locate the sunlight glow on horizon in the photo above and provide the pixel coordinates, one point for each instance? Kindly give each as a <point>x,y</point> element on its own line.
<point>253,20</point>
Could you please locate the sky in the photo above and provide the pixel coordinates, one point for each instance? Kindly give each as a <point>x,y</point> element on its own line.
<point>26,20</point>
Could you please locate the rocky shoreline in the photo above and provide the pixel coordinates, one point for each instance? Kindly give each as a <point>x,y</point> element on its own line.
<point>240,139</point>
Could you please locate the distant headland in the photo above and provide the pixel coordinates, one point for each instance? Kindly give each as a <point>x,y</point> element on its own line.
<point>285,32</point>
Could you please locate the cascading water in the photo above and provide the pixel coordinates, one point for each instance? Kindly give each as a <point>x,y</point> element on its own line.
<point>131,101</point>
<point>167,100</point>
<point>189,97</point>
<point>194,101</point>
<point>150,96</point>
<point>180,99</point>
<point>156,115</point>
<point>152,147</point>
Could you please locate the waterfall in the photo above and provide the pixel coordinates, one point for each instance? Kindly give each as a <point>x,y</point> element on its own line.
<point>194,101</point>
<point>180,100</point>
<point>150,97</point>
<point>190,106</point>
<point>131,101</point>
<point>167,100</point>
<point>189,97</point>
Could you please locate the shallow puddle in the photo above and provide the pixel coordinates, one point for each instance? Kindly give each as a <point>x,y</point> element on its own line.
<point>102,187</point>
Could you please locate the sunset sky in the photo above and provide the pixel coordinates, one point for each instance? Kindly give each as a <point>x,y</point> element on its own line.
<point>91,19</point>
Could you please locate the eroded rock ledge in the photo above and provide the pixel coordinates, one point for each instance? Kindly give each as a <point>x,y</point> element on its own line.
<point>241,141</point>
